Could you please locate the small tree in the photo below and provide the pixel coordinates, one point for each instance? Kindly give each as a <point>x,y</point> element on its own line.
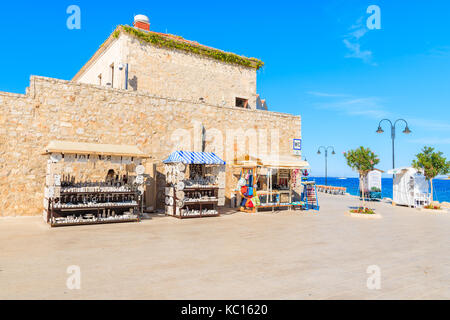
<point>362,160</point>
<point>431,164</point>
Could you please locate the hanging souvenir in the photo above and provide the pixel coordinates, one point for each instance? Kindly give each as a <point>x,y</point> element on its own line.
<point>69,158</point>
<point>55,157</point>
<point>181,167</point>
<point>57,179</point>
<point>139,179</point>
<point>116,159</point>
<point>126,160</point>
<point>82,158</point>
<point>180,186</point>
<point>140,169</point>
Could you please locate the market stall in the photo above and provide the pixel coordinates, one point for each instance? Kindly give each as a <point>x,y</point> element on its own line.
<point>73,197</point>
<point>193,182</point>
<point>410,188</point>
<point>273,183</point>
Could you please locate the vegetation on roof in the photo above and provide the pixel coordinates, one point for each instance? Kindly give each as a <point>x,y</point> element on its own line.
<point>179,43</point>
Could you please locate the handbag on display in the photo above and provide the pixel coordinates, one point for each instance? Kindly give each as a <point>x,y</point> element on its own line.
<point>244,190</point>
<point>241,182</point>
<point>250,191</point>
<point>250,180</point>
<point>249,204</point>
<point>256,201</point>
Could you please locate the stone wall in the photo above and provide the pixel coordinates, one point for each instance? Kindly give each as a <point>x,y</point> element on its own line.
<point>170,73</point>
<point>61,110</point>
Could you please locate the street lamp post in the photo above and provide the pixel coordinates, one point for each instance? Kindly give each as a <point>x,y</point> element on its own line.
<point>326,159</point>
<point>393,125</point>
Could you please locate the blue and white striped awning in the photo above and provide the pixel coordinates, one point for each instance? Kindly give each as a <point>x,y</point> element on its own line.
<point>190,157</point>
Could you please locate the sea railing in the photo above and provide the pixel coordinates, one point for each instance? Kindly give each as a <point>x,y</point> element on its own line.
<point>332,190</point>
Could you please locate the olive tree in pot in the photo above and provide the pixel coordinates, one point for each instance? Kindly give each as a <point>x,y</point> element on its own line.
<point>431,164</point>
<point>362,160</point>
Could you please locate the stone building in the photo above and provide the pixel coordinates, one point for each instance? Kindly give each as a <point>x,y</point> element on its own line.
<point>142,60</point>
<point>160,96</point>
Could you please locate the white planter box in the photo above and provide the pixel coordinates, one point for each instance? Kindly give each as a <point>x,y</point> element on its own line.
<point>364,215</point>
<point>434,211</point>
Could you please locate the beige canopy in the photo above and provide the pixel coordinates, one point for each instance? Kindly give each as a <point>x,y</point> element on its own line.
<point>69,147</point>
<point>288,162</point>
<point>246,161</point>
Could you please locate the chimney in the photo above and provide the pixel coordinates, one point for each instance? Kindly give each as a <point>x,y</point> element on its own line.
<point>141,22</point>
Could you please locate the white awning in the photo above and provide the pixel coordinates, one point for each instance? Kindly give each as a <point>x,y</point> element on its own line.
<point>70,147</point>
<point>288,162</point>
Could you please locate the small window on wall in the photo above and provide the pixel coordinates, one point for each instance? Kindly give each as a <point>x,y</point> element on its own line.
<point>112,75</point>
<point>242,103</point>
<point>100,79</point>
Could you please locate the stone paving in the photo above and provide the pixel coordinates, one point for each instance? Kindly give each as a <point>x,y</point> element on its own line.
<point>286,255</point>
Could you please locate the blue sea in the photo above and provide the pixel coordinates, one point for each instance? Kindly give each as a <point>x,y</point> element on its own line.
<point>441,187</point>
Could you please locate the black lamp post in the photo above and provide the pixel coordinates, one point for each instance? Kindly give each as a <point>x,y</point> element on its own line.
<point>326,159</point>
<point>406,131</point>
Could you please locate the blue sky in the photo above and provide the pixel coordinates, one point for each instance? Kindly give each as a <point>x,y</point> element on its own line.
<point>321,61</point>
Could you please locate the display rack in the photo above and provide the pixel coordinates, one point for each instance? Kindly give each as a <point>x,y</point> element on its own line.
<point>208,200</point>
<point>77,208</point>
<point>309,195</point>
<point>193,181</point>
<point>117,199</point>
<point>271,182</point>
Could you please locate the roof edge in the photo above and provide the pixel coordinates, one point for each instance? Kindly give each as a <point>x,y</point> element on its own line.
<point>105,45</point>
<point>179,43</point>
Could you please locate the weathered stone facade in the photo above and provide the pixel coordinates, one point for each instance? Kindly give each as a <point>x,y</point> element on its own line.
<point>127,62</point>
<point>62,110</point>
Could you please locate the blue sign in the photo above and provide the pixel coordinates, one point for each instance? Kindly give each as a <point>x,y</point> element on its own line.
<point>297,144</point>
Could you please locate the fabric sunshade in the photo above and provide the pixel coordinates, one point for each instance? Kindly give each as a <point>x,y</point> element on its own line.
<point>69,147</point>
<point>272,162</point>
<point>284,162</point>
<point>190,157</point>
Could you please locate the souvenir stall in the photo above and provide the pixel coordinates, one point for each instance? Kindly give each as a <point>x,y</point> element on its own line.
<point>271,183</point>
<point>193,182</point>
<point>78,200</point>
<point>410,188</point>
<point>246,189</point>
<point>372,185</point>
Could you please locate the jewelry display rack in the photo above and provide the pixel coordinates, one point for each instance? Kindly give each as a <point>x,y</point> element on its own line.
<point>117,199</point>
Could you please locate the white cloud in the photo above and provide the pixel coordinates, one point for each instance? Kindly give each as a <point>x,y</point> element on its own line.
<point>324,94</point>
<point>439,52</point>
<point>354,106</point>
<point>430,124</point>
<point>355,52</point>
<point>351,42</point>
<point>431,141</point>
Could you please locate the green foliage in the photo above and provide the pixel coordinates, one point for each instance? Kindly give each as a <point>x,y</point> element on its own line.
<point>362,160</point>
<point>431,163</point>
<point>167,42</point>
<point>363,210</point>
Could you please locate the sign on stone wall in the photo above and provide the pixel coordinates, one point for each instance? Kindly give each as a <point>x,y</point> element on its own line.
<point>297,147</point>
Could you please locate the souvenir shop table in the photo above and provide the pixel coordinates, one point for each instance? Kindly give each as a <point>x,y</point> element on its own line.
<point>269,183</point>
<point>192,181</point>
<point>70,200</point>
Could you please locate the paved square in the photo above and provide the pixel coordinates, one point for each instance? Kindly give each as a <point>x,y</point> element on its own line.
<point>286,255</point>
